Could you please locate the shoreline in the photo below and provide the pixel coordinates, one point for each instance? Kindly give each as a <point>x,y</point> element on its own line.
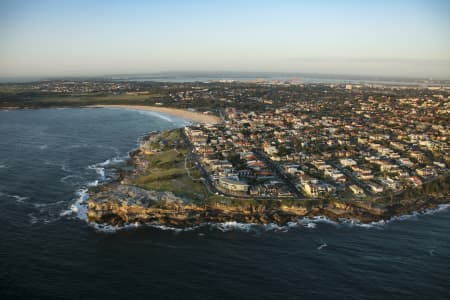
<point>196,117</point>
<point>192,116</point>
<point>121,202</point>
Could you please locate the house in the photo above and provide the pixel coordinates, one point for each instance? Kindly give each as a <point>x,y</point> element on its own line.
<point>291,169</point>
<point>315,188</point>
<point>233,184</point>
<point>425,172</point>
<point>270,149</point>
<point>375,187</point>
<point>356,189</point>
<point>347,162</point>
<point>415,181</point>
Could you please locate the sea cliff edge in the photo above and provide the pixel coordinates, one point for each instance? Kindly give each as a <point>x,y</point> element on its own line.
<point>127,200</point>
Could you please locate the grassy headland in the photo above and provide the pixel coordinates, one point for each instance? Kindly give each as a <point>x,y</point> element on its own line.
<point>168,167</point>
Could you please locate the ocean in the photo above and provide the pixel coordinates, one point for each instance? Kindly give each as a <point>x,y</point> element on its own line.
<point>48,157</point>
<point>301,78</point>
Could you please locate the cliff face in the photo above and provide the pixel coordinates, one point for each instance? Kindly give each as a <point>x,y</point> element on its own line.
<point>118,204</point>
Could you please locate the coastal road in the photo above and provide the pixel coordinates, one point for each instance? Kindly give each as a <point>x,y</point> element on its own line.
<point>280,174</point>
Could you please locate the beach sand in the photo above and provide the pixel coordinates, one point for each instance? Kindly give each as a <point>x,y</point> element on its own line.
<point>184,114</point>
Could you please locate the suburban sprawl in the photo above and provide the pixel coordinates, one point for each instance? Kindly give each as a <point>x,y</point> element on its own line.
<point>283,141</point>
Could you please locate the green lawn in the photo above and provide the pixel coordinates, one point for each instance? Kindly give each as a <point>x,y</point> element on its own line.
<point>12,97</point>
<point>166,171</point>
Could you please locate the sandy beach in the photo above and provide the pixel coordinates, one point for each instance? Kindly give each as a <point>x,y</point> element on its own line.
<point>185,114</point>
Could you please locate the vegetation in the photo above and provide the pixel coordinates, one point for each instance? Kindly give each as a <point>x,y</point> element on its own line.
<point>42,100</point>
<point>438,187</point>
<point>170,169</point>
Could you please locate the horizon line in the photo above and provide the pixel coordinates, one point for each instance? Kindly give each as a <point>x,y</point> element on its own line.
<point>29,78</point>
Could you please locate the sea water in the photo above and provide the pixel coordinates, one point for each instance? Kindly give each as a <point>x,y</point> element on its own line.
<point>49,157</point>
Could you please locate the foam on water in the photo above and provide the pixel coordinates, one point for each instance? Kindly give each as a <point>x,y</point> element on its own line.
<point>44,205</point>
<point>166,117</point>
<point>112,161</point>
<point>99,170</point>
<point>156,114</point>
<point>307,223</point>
<point>65,168</point>
<point>100,167</point>
<point>18,198</point>
<point>74,180</point>
<point>33,219</point>
<point>232,225</point>
<point>112,228</point>
<point>415,215</point>
<point>441,207</point>
<point>223,226</point>
<point>310,225</point>
<point>323,245</point>
<point>93,183</point>
<point>79,207</point>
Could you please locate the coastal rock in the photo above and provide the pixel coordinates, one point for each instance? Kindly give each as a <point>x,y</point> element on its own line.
<point>120,202</point>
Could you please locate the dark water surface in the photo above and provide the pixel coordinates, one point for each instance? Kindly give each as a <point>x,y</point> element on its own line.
<point>46,252</point>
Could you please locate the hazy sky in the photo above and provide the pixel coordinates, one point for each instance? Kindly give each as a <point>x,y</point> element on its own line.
<point>51,38</point>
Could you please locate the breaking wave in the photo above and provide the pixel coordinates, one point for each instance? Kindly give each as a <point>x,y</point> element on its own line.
<point>306,223</point>
<point>157,114</point>
<point>321,246</point>
<point>18,198</point>
<point>79,207</point>
<point>163,116</point>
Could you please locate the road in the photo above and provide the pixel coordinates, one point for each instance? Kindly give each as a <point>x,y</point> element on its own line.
<point>280,174</point>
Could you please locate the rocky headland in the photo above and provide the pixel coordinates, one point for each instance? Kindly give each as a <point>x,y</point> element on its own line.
<point>127,200</point>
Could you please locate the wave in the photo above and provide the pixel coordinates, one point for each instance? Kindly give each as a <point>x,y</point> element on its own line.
<point>99,170</point>
<point>40,212</point>
<point>156,114</point>
<point>382,223</point>
<point>223,227</point>
<point>45,212</point>
<point>441,207</point>
<point>44,205</point>
<point>416,214</point>
<point>233,225</point>
<point>321,246</point>
<point>42,147</point>
<point>178,121</point>
<point>79,207</point>
<point>33,218</point>
<point>71,179</point>
<point>105,228</point>
<point>2,166</point>
<point>18,198</point>
<point>100,167</point>
<point>65,168</point>
<point>93,183</point>
<point>112,161</point>
<point>307,223</point>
